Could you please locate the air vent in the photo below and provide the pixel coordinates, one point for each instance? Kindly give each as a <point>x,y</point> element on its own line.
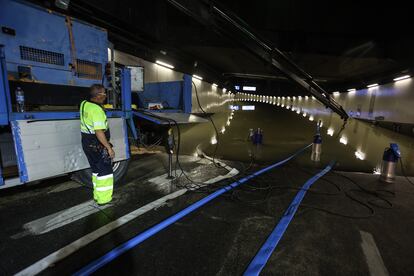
<point>42,56</point>
<point>88,69</point>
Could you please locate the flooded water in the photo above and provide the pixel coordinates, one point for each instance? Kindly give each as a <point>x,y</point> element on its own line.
<point>358,147</point>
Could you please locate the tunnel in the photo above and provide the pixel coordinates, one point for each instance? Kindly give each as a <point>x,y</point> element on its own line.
<point>179,137</point>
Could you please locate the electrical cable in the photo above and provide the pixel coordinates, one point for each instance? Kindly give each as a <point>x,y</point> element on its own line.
<point>270,188</point>
<point>177,153</point>
<point>212,122</point>
<point>367,205</point>
<point>369,192</point>
<point>348,194</point>
<point>201,187</point>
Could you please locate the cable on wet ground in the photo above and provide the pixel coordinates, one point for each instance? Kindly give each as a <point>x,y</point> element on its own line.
<point>260,259</point>
<point>111,255</point>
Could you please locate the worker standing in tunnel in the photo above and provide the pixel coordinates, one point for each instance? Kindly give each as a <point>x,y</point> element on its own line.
<point>95,143</point>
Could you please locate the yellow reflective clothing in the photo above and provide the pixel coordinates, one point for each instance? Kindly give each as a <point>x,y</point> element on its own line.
<point>93,117</point>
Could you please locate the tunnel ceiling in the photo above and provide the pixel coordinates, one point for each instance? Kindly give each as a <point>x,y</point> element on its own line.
<point>339,43</point>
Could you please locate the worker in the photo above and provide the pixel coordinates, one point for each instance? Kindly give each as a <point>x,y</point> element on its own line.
<point>95,143</point>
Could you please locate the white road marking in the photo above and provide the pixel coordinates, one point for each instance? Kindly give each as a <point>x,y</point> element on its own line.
<point>65,186</point>
<point>162,179</point>
<point>69,249</point>
<point>373,257</point>
<point>204,161</point>
<point>85,240</point>
<point>59,219</point>
<point>231,173</point>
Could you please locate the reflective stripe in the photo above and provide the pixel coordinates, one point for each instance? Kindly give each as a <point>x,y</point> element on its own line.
<point>99,124</point>
<point>88,132</point>
<point>105,176</point>
<point>101,189</point>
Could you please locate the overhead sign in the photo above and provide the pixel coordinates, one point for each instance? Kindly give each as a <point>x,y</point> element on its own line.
<point>248,107</point>
<point>249,88</point>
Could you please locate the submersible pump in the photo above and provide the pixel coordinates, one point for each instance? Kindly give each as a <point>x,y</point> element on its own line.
<point>389,163</point>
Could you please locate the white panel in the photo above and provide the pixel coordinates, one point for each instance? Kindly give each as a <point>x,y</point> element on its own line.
<point>54,147</point>
<point>137,78</point>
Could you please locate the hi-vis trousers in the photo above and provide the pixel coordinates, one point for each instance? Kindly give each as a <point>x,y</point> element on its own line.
<point>102,174</point>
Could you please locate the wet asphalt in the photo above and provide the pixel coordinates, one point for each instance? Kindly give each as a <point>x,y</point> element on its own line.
<point>222,237</point>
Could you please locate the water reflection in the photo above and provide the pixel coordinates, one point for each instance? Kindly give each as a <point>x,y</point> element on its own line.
<point>357,147</point>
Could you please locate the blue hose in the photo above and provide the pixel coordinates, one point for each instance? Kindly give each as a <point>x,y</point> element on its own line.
<point>114,253</point>
<point>265,252</point>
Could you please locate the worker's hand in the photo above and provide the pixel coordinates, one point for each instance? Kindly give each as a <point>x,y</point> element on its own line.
<point>111,152</point>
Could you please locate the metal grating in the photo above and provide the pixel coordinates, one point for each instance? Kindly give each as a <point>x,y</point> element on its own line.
<point>43,56</point>
<point>88,69</point>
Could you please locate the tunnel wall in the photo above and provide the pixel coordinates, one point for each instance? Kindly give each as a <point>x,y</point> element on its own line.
<point>152,72</point>
<point>212,99</point>
<point>391,102</point>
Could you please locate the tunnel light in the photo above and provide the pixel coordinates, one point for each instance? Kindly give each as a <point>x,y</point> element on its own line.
<point>282,105</point>
<point>320,123</point>
<point>336,93</point>
<point>330,132</point>
<point>197,77</point>
<point>311,118</point>
<point>223,129</point>
<point>306,97</point>
<point>287,107</point>
<point>62,4</point>
<point>304,114</point>
<point>214,85</point>
<point>360,155</point>
<point>213,140</point>
<point>300,97</point>
<point>227,123</point>
<point>164,64</point>
<point>351,90</point>
<point>298,111</point>
<point>343,140</point>
<point>402,78</point>
<point>224,90</point>
<point>313,97</point>
<point>372,85</point>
